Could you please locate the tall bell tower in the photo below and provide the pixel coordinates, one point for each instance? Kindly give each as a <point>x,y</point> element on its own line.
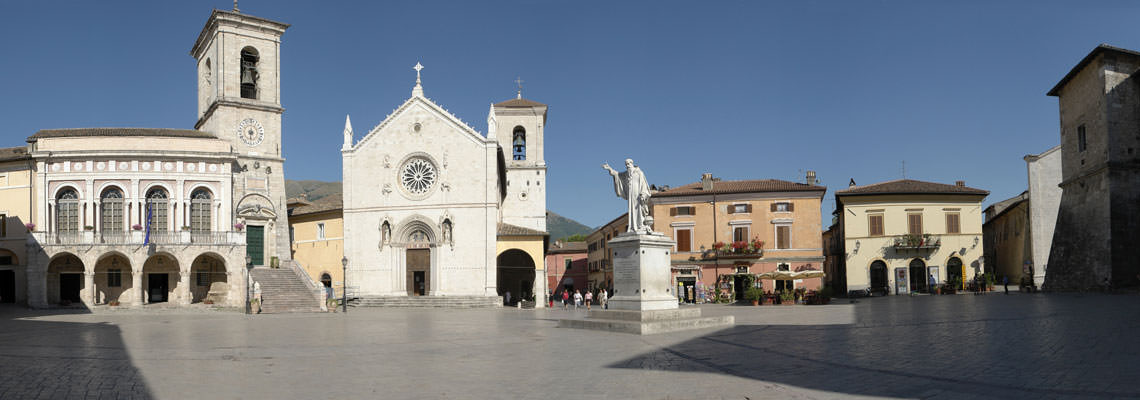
<point>239,100</point>
<point>519,124</point>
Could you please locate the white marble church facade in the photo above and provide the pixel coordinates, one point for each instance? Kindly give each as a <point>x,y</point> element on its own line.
<point>426,197</point>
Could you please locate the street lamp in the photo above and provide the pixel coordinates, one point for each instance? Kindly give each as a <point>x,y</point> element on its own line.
<point>248,264</point>
<point>344,282</point>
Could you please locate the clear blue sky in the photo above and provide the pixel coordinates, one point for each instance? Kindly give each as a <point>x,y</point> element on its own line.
<point>741,89</point>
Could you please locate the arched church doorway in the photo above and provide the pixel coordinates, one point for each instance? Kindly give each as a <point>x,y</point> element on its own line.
<point>417,258</point>
<point>515,275</point>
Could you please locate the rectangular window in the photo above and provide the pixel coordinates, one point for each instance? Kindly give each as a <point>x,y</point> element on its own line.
<point>740,209</point>
<point>292,238</point>
<point>1081,143</point>
<point>914,224</point>
<point>740,234</point>
<point>114,278</point>
<point>3,225</point>
<point>202,278</point>
<point>782,206</point>
<point>567,261</point>
<point>683,210</point>
<point>952,225</point>
<point>5,260</point>
<point>158,212</point>
<point>783,236</point>
<point>684,240</point>
<point>875,225</point>
<point>321,231</point>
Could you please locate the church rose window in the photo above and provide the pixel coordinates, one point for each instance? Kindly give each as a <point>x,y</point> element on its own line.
<point>417,176</point>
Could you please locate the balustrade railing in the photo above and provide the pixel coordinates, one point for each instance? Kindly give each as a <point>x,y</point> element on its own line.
<point>111,238</point>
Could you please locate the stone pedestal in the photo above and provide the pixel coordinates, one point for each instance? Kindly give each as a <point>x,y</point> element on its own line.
<point>644,300</point>
<point>641,272</point>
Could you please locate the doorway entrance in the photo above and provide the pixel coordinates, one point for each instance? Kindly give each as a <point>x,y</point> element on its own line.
<point>7,286</point>
<point>879,277</point>
<point>918,276</point>
<point>954,272</point>
<point>157,287</point>
<point>255,244</point>
<point>419,271</point>
<point>515,275</point>
<point>687,289</point>
<point>69,286</point>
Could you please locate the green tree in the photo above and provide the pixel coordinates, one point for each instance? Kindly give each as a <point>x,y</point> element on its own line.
<point>575,238</point>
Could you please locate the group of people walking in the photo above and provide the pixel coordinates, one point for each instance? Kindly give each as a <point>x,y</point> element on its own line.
<point>577,300</point>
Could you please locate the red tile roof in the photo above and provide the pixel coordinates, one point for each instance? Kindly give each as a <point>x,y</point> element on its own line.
<point>910,186</point>
<point>750,186</point>
<point>331,202</point>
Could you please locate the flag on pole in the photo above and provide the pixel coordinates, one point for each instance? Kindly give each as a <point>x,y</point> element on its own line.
<point>146,240</point>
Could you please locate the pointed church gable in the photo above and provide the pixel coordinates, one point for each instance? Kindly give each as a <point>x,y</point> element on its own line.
<point>433,109</point>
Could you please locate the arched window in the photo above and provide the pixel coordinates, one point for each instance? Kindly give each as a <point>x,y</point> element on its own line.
<point>249,73</point>
<point>111,210</point>
<point>326,280</point>
<point>208,73</point>
<point>518,143</point>
<point>201,202</point>
<point>157,209</point>
<point>67,211</point>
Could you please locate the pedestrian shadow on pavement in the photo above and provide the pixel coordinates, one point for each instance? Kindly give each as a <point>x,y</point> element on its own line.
<point>44,357</point>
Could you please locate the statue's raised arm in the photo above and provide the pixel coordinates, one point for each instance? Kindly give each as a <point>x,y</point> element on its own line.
<point>632,186</point>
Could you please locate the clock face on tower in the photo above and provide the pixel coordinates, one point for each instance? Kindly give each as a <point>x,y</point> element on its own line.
<point>250,132</point>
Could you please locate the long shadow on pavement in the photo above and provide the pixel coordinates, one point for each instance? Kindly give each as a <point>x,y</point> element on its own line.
<point>42,358</point>
<point>987,346</point>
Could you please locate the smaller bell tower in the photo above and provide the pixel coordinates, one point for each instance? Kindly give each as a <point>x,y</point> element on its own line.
<point>518,124</point>
<point>239,100</point>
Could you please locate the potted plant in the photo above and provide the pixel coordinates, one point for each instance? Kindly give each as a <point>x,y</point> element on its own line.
<point>207,302</point>
<point>113,303</point>
<point>185,228</point>
<point>239,226</point>
<point>136,227</point>
<point>88,228</point>
<point>936,289</point>
<point>787,298</point>
<point>754,294</point>
<point>30,226</point>
<point>274,262</point>
<point>989,277</point>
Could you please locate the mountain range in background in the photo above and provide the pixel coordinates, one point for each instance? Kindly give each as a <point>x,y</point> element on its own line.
<point>559,227</point>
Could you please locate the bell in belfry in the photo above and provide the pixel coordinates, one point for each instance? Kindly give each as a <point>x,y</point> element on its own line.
<point>249,76</point>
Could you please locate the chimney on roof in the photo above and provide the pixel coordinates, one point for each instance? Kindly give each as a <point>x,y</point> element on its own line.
<point>706,181</point>
<point>851,184</point>
<point>960,183</point>
<point>810,178</point>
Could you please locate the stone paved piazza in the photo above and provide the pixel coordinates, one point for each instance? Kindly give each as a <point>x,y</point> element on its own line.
<point>993,346</point>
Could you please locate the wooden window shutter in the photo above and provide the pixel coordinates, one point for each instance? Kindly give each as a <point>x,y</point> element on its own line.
<point>952,223</point>
<point>791,206</point>
<point>732,208</point>
<point>748,207</point>
<point>673,212</point>
<point>692,210</point>
<point>773,207</point>
<point>782,237</point>
<point>684,237</point>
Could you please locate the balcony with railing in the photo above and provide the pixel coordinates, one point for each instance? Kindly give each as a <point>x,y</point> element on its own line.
<point>917,242</point>
<point>125,238</point>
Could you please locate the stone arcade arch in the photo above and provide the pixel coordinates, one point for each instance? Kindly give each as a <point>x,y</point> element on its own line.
<point>161,277</point>
<point>113,279</point>
<point>515,271</point>
<point>65,279</point>
<point>209,279</point>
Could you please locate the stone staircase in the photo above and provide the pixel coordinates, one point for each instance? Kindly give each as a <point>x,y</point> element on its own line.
<point>428,301</point>
<point>283,291</point>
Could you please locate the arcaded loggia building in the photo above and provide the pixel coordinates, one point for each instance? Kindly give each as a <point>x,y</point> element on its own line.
<point>134,216</point>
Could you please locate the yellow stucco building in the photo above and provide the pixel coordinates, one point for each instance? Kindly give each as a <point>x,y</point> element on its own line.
<point>15,211</point>
<point>896,235</point>
<point>316,235</point>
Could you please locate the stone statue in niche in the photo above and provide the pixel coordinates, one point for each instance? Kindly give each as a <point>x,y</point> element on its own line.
<point>632,186</point>
<point>446,231</point>
<point>385,233</point>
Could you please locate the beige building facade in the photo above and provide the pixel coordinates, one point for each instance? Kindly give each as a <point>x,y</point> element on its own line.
<point>316,234</point>
<point>896,235</point>
<point>760,225</point>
